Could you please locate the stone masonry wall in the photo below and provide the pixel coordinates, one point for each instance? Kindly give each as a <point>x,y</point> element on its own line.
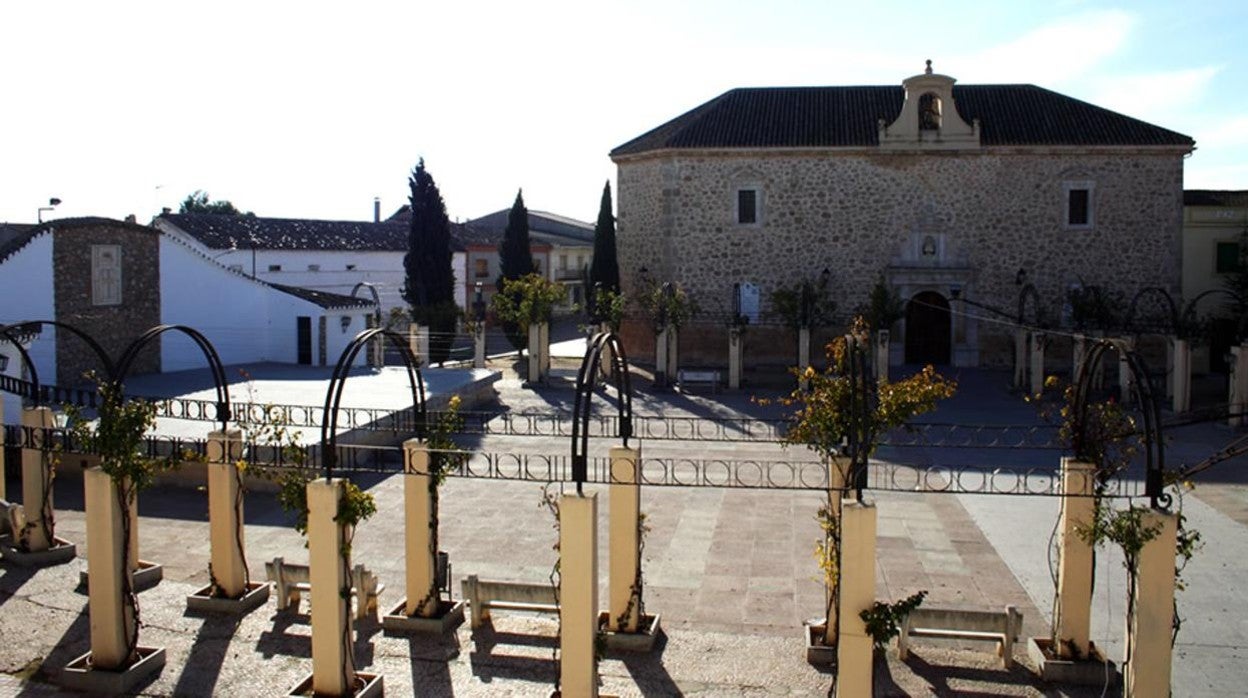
<point>853,212</point>
<point>113,326</point>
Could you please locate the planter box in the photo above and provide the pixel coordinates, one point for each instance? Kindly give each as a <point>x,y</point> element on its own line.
<point>1081,672</point>
<point>146,576</point>
<point>449,617</point>
<point>816,651</point>
<point>373,687</point>
<point>203,601</point>
<point>641,641</point>
<point>80,675</point>
<point>61,552</point>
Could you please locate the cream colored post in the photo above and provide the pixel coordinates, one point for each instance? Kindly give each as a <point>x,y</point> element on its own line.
<point>545,346</point>
<point>837,477</point>
<point>112,622</point>
<point>225,529</point>
<point>578,595</point>
<point>478,346</point>
<point>1238,397</point>
<point>37,480</point>
<point>1079,347</point>
<point>418,342</point>
<point>535,353</point>
<point>1125,380</point>
<point>1074,571</point>
<point>3,489</point>
<point>1037,363</point>
<point>608,359</point>
<point>1020,358</point>
<point>625,538</point>
<point>418,518</point>
<point>1181,376</point>
<point>803,348</point>
<point>881,355</point>
<point>661,376</point>
<point>855,648</point>
<point>132,561</point>
<point>1148,634</point>
<point>734,358</point>
<point>333,668</point>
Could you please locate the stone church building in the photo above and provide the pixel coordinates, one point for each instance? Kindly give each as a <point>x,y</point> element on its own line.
<point>957,195</point>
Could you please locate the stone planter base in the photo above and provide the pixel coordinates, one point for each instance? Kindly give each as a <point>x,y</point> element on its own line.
<point>1081,672</point>
<point>373,687</point>
<point>450,616</point>
<point>816,651</point>
<point>148,575</point>
<point>61,552</point>
<point>203,601</point>
<point>641,641</point>
<point>80,675</point>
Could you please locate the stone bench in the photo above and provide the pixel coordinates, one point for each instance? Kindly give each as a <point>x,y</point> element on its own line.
<point>290,581</point>
<point>1002,627</point>
<point>711,378</point>
<point>12,518</point>
<point>484,595</point>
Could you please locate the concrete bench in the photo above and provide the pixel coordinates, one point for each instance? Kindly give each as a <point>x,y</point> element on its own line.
<point>711,378</point>
<point>12,517</point>
<point>290,581</point>
<point>484,595</point>
<point>1002,627</point>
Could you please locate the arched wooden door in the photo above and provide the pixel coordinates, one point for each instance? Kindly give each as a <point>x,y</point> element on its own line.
<point>928,339</point>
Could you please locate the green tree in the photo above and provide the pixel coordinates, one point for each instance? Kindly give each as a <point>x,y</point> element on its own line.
<point>604,270</point>
<point>429,284</point>
<point>526,301</point>
<point>198,202</point>
<point>516,261</point>
<point>789,301</point>
<point>884,307</point>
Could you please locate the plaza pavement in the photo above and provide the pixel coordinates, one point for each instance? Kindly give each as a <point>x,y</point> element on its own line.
<point>731,571</point>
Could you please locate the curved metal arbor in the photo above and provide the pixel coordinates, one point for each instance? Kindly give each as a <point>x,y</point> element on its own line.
<point>205,346</point>
<point>1154,446</point>
<point>30,364</point>
<point>1172,308</point>
<point>110,370</point>
<point>585,383</point>
<point>333,394</point>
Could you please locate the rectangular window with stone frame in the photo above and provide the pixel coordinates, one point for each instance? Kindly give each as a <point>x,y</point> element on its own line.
<point>1226,258</point>
<point>747,207</point>
<point>1078,205</point>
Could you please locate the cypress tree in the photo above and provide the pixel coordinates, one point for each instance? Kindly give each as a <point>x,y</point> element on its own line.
<point>604,270</point>
<point>515,260</point>
<point>429,286</point>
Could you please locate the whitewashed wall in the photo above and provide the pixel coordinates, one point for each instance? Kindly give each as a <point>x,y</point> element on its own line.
<point>27,293</point>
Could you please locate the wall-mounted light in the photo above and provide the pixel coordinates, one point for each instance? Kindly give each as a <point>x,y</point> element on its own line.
<point>346,322</point>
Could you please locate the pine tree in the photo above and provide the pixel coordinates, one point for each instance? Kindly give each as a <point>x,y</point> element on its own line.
<point>604,270</point>
<point>429,286</point>
<point>516,261</point>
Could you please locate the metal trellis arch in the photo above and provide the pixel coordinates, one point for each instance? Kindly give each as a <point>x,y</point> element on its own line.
<point>585,380</point>
<point>333,394</point>
<point>1172,308</point>
<point>205,346</point>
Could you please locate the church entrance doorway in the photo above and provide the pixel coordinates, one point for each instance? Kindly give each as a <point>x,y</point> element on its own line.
<point>928,339</point>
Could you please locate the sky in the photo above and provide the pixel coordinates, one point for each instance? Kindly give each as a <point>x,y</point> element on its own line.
<point>312,109</point>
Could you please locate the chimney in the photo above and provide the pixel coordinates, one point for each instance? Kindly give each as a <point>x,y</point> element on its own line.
<point>376,209</point>
<point>131,219</point>
<point>166,211</point>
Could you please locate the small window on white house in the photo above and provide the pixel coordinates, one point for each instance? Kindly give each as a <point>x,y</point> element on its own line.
<point>236,267</point>
<point>747,206</point>
<point>563,262</point>
<point>314,267</point>
<point>275,267</point>
<point>350,267</point>
<point>1077,206</point>
<point>106,274</point>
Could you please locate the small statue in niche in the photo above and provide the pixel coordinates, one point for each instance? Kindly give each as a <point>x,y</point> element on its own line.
<point>929,112</point>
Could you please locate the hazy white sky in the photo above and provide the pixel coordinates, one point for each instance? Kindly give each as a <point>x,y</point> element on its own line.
<point>310,109</point>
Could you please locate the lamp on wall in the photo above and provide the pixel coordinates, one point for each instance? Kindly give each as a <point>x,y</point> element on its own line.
<point>346,322</point>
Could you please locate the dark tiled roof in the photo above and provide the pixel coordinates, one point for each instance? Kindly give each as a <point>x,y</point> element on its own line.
<point>1215,197</point>
<point>323,298</point>
<point>546,225</point>
<point>825,117</point>
<point>247,232</point>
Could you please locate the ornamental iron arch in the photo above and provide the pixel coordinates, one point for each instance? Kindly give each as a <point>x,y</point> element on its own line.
<point>1154,446</point>
<point>1241,327</point>
<point>342,370</point>
<point>110,369</point>
<point>1172,308</point>
<point>585,384</point>
<point>26,360</point>
<point>205,347</point>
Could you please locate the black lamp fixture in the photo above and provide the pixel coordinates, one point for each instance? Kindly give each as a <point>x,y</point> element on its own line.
<point>1020,277</point>
<point>52,204</point>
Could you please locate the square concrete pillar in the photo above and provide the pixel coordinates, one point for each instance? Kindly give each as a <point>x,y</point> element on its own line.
<point>1074,571</point>
<point>333,667</point>
<point>545,344</point>
<point>608,358</point>
<point>112,621</point>
<point>855,650</point>
<point>1148,632</point>
<point>1125,379</point>
<point>673,354</point>
<point>625,539</point>
<point>578,595</point>
<point>1180,375</point>
<point>838,475</point>
<point>225,513</point>
<point>1020,358</point>
<point>539,352</point>
<point>478,346</point>
<point>37,481</point>
<point>3,488</point>
<point>881,355</point>
<point>418,342</point>
<point>734,358</point>
<point>1238,397</point>
<point>661,377</point>
<point>1038,341</point>
<point>420,560</point>
<point>803,353</point>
